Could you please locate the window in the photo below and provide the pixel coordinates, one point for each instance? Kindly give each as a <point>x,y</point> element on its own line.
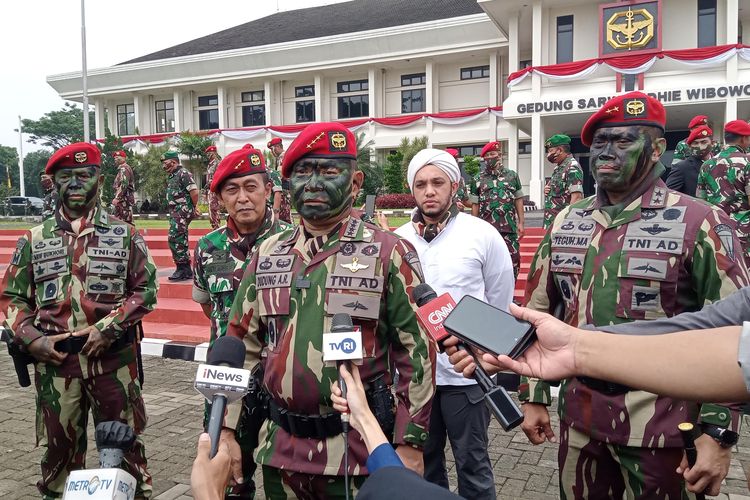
<point>524,148</point>
<point>564,39</point>
<point>524,64</point>
<point>413,100</point>
<point>475,72</point>
<point>354,105</point>
<point>125,119</point>
<point>305,108</point>
<point>254,114</point>
<point>706,23</point>
<point>164,116</point>
<point>469,150</point>
<point>208,112</point>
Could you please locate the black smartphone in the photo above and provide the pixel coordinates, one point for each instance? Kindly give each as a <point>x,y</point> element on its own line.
<point>489,328</point>
<point>370,206</point>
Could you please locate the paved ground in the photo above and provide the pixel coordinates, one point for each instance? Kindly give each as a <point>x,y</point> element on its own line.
<point>522,471</point>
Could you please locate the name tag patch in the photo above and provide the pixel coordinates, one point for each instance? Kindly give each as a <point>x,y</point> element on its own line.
<point>361,306</point>
<point>48,254</point>
<point>273,280</point>
<point>570,241</point>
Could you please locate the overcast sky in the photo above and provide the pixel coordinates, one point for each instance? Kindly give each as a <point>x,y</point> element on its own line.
<point>43,37</point>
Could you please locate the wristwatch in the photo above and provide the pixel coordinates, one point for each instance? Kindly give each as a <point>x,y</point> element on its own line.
<point>724,437</point>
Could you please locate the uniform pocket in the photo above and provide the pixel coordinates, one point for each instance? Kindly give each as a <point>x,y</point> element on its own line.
<point>647,286</point>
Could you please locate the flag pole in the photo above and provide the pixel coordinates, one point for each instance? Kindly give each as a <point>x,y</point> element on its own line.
<point>20,159</point>
<point>84,72</point>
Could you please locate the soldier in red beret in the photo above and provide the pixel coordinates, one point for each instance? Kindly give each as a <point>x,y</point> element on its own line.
<point>462,197</point>
<point>635,250</point>
<point>332,263</point>
<point>683,176</point>
<point>682,151</point>
<point>214,209</point>
<point>280,199</point>
<point>724,180</point>
<point>123,200</point>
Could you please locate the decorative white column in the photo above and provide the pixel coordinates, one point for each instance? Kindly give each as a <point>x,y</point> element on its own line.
<point>537,161</point>
<point>99,116</point>
<point>137,108</point>
<point>177,103</point>
<point>221,93</point>
<point>318,98</point>
<point>513,146</point>
<point>536,47</point>
<point>268,101</point>
<point>371,93</point>
<point>513,45</point>
<point>493,98</point>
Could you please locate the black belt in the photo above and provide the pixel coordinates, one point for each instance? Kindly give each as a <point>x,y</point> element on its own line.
<point>305,426</point>
<point>73,345</point>
<point>603,386</point>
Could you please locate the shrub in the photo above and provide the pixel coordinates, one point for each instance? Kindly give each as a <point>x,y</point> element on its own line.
<point>395,201</point>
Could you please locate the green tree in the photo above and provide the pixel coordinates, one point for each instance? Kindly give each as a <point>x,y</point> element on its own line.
<point>9,168</point>
<point>373,183</point>
<point>194,147</point>
<point>33,165</point>
<point>58,128</point>
<point>471,165</point>
<point>111,144</point>
<point>152,177</point>
<point>393,174</point>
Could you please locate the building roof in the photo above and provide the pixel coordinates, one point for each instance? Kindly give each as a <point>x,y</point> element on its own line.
<point>316,22</point>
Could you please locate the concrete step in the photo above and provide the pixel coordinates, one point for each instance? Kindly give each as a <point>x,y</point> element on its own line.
<point>178,311</point>
<point>193,334</point>
<point>171,290</point>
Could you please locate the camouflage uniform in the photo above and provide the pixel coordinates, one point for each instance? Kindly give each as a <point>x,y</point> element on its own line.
<point>724,181</point>
<point>663,254</point>
<point>357,269</point>
<point>50,203</point>
<point>124,193</point>
<point>220,260</point>
<point>461,194</point>
<point>496,195</point>
<point>62,280</point>
<point>567,178</point>
<point>281,185</point>
<point>179,185</point>
<point>214,209</point>
<point>682,151</point>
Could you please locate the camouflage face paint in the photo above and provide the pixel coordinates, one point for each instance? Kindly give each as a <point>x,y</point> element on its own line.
<point>321,187</point>
<point>78,189</point>
<point>619,155</point>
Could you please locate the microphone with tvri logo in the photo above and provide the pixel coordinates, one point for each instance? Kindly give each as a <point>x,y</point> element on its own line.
<point>431,313</point>
<point>222,380</point>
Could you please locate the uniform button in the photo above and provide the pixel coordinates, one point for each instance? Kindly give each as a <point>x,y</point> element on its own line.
<point>722,416</point>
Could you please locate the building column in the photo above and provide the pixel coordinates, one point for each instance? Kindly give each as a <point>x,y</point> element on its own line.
<point>318,98</point>
<point>267,101</point>
<point>221,93</point>
<point>536,46</point>
<point>537,160</point>
<point>513,49</point>
<point>177,103</point>
<point>371,93</point>
<point>493,98</point>
<point>111,117</point>
<point>513,146</point>
<point>138,112</point>
<point>232,102</point>
<point>99,116</point>
<point>429,90</point>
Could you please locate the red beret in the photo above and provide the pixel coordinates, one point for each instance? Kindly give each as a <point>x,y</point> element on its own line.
<point>248,146</point>
<point>491,146</point>
<point>320,140</point>
<point>699,133</point>
<point>274,141</point>
<point>238,163</point>
<point>633,108</point>
<point>211,149</point>
<point>119,153</point>
<point>737,127</point>
<point>79,154</point>
<point>697,121</point>
<point>452,152</point>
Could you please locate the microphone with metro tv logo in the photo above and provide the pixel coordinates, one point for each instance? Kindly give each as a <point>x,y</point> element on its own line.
<point>222,380</point>
<point>431,313</point>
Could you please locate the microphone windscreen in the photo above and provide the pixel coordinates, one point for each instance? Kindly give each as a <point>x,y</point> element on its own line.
<point>341,322</point>
<point>422,294</point>
<point>114,434</point>
<point>227,351</point>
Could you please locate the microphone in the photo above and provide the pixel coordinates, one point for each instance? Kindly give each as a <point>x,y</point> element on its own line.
<point>342,345</point>
<point>222,380</point>
<point>432,311</point>
<point>691,453</point>
<point>113,439</point>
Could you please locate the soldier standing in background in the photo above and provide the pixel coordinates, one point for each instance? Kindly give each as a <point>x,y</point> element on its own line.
<point>214,209</point>
<point>636,250</point>
<point>682,150</point>
<point>497,197</point>
<point>182,201</point>
<point>461,197</point>
<point>724,180</point>
<point>281,202</point>
<point>683,176</point>
<point>50,195</point>
<point>241,184</point>
<point>123,200</point>
<point>331,263</point>
<point>75,289</point>
<point>565,187</point>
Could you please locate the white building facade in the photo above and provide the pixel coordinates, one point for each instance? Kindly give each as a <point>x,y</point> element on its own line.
<point>441,72</point>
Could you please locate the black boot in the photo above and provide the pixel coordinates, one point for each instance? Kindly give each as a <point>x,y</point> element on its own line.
<point>182,273</point>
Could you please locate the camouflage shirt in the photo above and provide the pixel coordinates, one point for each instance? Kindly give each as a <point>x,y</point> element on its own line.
<point>210,171</point>
<point>179,184</point>
<point>125,185</point>
<point>496,194</point>
<point>62,280</point>
<point>50,202</point>
<point>664,254</point>
<point>682,151</point>
<point>291,289</point>
<point>724,181</point>
<point>567,178</point>
<point>220,260</point>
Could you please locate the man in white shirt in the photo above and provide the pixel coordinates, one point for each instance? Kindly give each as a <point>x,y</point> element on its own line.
<point>461,255</point>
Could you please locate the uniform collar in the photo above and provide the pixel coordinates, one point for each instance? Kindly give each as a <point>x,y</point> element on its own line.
<point>96,217</point>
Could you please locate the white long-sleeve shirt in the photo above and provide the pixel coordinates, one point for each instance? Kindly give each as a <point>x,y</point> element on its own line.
<point>468,257</point>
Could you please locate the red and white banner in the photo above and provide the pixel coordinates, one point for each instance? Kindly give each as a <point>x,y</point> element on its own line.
<point>634,64</point>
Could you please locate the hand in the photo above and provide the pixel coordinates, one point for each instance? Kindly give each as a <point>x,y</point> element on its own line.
<point>228,439</point>
<point>43,349</point>
<point>463,362</point>
<point>536,424</point>
<point>355,402</point>
<point>96,344</point>
<point>552,356</point>
<point>382,220</point>
<point>196,212</point>
<point>411,457</point>
<point>547,189</point>
<point>520,230</point>
<point>460,206</point>
<point>210,476</point>
<point>710,469</point>
<point>116,202</point>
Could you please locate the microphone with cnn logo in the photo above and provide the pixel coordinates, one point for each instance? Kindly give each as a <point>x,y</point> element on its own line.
<point>431,313</point>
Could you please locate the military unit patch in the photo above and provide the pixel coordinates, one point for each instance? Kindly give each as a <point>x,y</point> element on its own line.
<point>567,262</point>
<point>634,108</point>
<point>96,285</point>
<point>50,291</point>
<point>653,269</point>
<point>275,264</point>
<point>412,260</point>
<point>336,141</point>
<point>646,298</point>
<point>355,283</point>
<point>726,237</point>
<point>109,253</point>
<point>360,306</point>
<point>20,245</point>
<point>43,270</point>
<point>109,268</point>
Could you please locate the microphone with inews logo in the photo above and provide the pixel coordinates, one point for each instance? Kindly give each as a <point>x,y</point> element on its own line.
<point>222,381</point>
<point>431,313</point>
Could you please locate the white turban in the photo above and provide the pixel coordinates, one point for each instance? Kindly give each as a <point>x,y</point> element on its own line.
<point>441,159</point>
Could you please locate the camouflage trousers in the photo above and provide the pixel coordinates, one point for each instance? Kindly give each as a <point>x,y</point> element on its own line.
<point>285,209</point>
<point>124,212</point>
<point>178,239</point>
<point>214,210</point>
<point>279,484</point>
<point>594,469</point>
<point>62,418</point>
<point>511,241</point>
